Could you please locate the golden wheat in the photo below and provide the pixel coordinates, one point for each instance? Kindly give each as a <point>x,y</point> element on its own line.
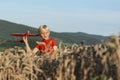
<point>75,62</point>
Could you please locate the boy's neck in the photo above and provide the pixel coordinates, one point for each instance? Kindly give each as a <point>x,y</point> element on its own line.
<point>46,39</point>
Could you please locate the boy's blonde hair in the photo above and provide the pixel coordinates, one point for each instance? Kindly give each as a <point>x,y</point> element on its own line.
<point>43,27</point>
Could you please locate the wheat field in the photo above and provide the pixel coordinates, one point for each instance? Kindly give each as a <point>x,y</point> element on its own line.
<point>75,62</point>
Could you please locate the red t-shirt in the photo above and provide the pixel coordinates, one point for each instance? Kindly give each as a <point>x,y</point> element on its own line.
<point>48,46</point>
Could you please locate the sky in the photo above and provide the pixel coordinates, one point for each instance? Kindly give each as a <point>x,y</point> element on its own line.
<point>100,17</point>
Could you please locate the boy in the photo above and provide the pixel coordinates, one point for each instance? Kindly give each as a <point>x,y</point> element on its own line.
<point>47,45</point>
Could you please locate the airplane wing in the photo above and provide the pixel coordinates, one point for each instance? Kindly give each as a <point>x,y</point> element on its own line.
<point>23,34</point>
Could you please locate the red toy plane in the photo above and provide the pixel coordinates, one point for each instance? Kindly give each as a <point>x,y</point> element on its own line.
<point>23,34</point>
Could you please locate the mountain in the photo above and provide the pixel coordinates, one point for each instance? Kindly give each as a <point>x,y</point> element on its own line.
<point>7,27</point>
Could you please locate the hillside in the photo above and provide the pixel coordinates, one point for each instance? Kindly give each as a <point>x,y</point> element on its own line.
<point>6,28</point>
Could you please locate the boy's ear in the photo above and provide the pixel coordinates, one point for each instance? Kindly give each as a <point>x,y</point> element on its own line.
<point>49,32</point>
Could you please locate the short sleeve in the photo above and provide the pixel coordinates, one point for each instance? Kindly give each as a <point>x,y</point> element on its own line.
<point>40,47</point>
<point>54,43</point>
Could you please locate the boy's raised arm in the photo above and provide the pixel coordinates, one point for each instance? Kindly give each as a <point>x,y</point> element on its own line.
<point>28,49</point>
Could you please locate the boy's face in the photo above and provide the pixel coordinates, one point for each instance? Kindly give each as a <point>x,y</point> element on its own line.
<point>45,34</point>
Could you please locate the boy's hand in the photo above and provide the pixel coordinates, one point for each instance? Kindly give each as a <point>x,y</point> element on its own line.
<point>25,39</point>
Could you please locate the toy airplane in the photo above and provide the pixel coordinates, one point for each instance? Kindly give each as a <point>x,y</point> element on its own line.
<point>23,34</point>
